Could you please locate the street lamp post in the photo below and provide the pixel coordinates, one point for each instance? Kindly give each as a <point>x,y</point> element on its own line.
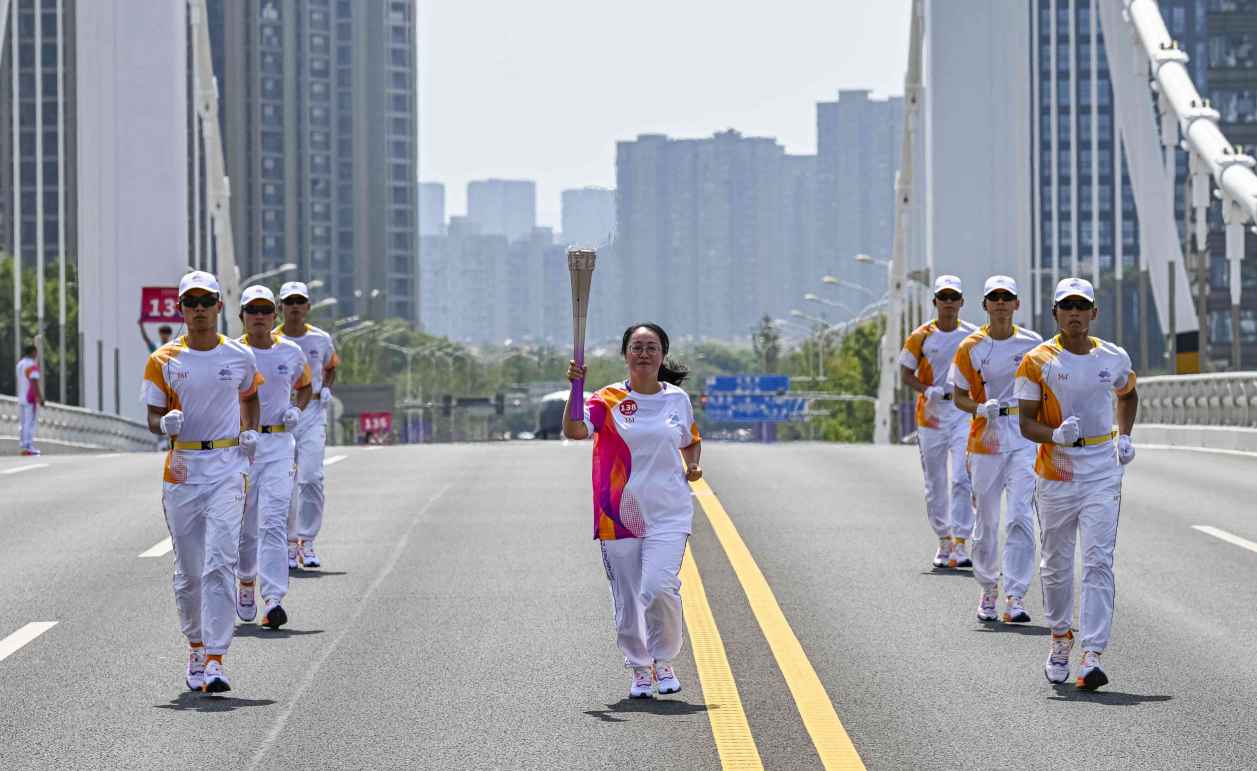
<point>835,281</point>
<point>813,297</point>
<point>287,266</point>
<point>410,354</point>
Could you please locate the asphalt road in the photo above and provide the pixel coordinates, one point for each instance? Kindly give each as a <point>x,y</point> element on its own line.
<point>462,620</point>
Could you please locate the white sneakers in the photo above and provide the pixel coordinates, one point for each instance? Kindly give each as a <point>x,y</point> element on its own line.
<point>959,557</point>
<point>307,556</point>
<point>274,616</point>
<point>215,678</point>
<point>246,601</point>
<point>1090,675</point>
<point>666,678</point>
<point>986,604</point>
<point>196,668</point>
<point>943,556</point>
<point>1015,611</point>
<point>643,684</point>
<point>292,555</point>
<point>1056,669</point>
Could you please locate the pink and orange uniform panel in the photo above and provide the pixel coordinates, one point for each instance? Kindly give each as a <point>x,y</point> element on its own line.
<point>929,352</point>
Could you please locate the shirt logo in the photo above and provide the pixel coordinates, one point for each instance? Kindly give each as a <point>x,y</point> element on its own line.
<point>282,369</point>
<point>1062,376</point>
<point>224,374</point>
<point>628,408</point>
<point>1105,376</point>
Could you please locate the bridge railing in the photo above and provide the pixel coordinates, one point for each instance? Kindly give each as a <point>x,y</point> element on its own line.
<point>79,427</point>
<point>1216,399</point>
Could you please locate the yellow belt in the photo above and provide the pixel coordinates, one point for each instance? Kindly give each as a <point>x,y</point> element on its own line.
<point>1091,441</point>
<point>212,444</point>
<point>273,429</point>
<point>1009,410</point>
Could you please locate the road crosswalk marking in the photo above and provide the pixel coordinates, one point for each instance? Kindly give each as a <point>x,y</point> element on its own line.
<point>14,642</point>
<point>27,467</point>
<point>1225,536</point>
<point>161,548</point>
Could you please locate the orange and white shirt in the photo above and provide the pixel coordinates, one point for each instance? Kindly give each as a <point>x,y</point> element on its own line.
<point>320,353</point>
<point>284,369</point>
<point>986,369</point>
<point>27,376</point>
<point>207,387</point>
<point>929,352</point>
<point>1085,386</point>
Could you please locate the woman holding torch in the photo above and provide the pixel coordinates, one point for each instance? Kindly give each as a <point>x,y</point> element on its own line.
<point>642,506</point>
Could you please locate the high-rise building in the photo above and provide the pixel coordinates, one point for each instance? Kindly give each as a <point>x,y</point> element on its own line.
<point>588,216</point>
<point>431,208</point>
<point>319,111</point>
<point>503,207</point>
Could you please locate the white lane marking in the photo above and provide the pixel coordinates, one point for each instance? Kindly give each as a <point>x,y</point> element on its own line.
<point>161,548</point>
<point>27,467</point>
<point>14,642</point>
<point>1211,450</point>
<point>110,455</point>
<point>1243,543</point>
<point>374,447</point>
<point>351,624</point>
<point>334,459</point>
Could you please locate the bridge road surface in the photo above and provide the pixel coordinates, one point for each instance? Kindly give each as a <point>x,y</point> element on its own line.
<point>463,622</point>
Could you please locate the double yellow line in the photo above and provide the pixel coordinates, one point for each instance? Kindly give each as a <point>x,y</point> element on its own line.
<point>729,726</point>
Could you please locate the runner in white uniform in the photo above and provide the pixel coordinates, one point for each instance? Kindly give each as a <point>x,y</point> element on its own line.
<point>201,391</point>
<point>942,431</point>
<point>264,533</point>
<point>30,397</point>
<point>1071,390</point>
<point>643,511</point>
<point>305,518</point>
<point>1001,460</point>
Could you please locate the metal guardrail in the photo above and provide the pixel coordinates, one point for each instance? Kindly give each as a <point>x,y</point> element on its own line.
<point>79,426</point>
<point>1216,399</point>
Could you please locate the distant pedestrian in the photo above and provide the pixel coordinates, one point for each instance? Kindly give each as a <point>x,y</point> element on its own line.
<point>30,397</point>
<point>643,512</point>
<point>164,333</point>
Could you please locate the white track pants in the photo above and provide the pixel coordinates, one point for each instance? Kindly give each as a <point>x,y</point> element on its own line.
<point>26,432</point>
<point>1065,509</point>
<point>994,476</point>
<point>264,532</point>
<point>646,595</point>
<point>204,523</point>
<point>949,507</point>
<point>305,517</point>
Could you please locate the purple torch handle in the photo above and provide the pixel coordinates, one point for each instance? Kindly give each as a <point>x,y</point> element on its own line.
<point>576,401</point>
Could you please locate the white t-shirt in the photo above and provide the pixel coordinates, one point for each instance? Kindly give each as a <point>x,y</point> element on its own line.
<point>27,375</point>
<point>1085,386</point>
<point>985,368</point>
<point>928,352</point>
<point>321,355</point>
<point>284,369</point>
<point>639,480</point>
<point>207,387</point>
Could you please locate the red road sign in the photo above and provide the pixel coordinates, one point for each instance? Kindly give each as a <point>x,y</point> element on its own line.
<point>159,303</point>
<point>376,422</point>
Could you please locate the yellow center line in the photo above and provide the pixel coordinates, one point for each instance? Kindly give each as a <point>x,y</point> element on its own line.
<point>724,707</point>
<point>819,717</point>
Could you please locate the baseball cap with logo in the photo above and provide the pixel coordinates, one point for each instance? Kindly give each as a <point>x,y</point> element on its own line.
<point>1074,287</point>
<point>996,283</point>
<point>947,282</point>
<point>256,292</point>
<point>294,288</point>
<point>198,279</point>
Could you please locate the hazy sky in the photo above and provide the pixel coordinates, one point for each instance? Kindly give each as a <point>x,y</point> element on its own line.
<point>543,89</point>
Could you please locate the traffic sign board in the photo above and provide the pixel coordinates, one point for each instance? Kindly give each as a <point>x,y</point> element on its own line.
<point>749,384</point>
<point>754,408</point>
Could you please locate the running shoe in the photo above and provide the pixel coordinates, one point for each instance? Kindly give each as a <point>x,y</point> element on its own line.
<point>31,451</point>
<point>292,555</point>
<point>307,556</point>
<point>643,684</point>
<point>246,602</point>
<point>1056,669</point>
<point>1015,611</point>
<point>666,678</point>
<point>274,616</point>
<point>215,678</point>
<point>986,604</point>
<point>943,555</point>
<point>1090,675</point>
<point>959,557</point>
<point>196,668</point>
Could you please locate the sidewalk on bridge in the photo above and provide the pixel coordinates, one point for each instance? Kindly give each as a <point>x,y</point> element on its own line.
<point>1206,437</point>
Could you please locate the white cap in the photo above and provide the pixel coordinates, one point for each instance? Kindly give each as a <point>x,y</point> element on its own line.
<point>256,292</point>
<point>198,279</point>
<point>294,288</point>
<point>1074,287</point>
<point>996,283</point>
<point>947,282</point>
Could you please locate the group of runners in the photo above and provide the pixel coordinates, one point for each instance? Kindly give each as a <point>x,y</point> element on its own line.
<point>242,486</point>
<point>1040,427</point>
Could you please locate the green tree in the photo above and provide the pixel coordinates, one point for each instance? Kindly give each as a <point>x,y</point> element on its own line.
<point>766,342</point>
<point>52,353</point>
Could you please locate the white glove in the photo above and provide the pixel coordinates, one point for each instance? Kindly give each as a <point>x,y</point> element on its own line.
<point>1125,450</point>
<point>933,394</point>
<point>989,409</point>
<point>172,422</point>
<point>249,443</point>
<point>325,395</point>
<point>291,416</point>
<point>1067,432</point>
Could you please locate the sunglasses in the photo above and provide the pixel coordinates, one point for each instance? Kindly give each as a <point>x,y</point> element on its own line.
<point>947,297</point>
<point>294,300</point>
<point>199,301</point>
<point>259,310</point>
<point>1075,304</point>
<point>1001,297</point>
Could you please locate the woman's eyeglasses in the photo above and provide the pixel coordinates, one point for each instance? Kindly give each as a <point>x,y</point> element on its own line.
<point>638,350</point>
<point>1075,304</point>
<point>198,301</point>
